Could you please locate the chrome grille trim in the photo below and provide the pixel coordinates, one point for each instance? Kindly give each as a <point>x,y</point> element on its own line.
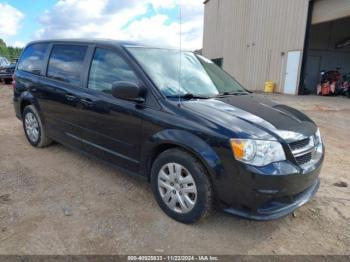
<point>303,153</point>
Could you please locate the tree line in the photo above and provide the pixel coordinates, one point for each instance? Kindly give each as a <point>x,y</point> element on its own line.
<point>9,52</point>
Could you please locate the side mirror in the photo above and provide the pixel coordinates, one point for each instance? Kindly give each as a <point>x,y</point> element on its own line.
<point>128,91</point>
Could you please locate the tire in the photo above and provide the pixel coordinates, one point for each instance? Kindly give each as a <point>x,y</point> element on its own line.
<point>194,206</point>
<point>30,115</point>
<point>8,81</point>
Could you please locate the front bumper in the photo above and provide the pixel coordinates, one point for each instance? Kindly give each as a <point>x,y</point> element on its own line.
<point>265,193</point>
<point>277,208</point>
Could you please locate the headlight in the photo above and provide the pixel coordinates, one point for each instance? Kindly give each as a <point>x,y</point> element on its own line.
<point>257,152</point>
<point>318,139</point>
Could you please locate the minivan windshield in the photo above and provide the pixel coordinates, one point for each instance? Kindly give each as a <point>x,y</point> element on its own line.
<point>198,77</point>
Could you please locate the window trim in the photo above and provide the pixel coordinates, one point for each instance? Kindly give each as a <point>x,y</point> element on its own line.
<point>118,52</point>
<point>86,57</point>
<point>43,65</point>
<point>137,69</point>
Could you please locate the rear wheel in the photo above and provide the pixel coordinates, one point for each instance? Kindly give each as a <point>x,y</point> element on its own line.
<point>8,81</point>
<point>33,128</point>
<point>181,186</point>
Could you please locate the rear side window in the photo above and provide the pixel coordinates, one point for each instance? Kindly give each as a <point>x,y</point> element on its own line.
<point>66,63</point>
<point>32,58</point>
<point>108,67</point>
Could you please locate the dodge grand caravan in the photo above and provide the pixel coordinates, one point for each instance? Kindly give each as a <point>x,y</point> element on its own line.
<point>198,136</point>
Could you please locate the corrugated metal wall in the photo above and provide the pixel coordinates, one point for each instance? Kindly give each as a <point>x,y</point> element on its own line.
<point>254,37</point>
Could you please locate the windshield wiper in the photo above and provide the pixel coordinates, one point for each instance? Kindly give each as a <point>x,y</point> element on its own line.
<point>188,96</point>
<point>234,93</point>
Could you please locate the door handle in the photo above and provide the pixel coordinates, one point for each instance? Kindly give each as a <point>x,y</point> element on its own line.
<point>86,102</point>
<point>70,97</point>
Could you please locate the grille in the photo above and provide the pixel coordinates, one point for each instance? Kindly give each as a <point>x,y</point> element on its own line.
<point>299,144</point>
<point>303,159</point>
<point>302,150</point>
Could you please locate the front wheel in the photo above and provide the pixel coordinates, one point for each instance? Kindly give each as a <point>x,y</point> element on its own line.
<point>181,186</point>
<point>33,128</point>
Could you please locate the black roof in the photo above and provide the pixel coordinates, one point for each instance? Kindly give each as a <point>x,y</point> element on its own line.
<point>91,41</point>
<point>101,41</point>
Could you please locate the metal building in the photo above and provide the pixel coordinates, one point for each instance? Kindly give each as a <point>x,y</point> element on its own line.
<point>285,41</point>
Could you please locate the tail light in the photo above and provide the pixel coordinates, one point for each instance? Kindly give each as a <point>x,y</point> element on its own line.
<point>14,82</point>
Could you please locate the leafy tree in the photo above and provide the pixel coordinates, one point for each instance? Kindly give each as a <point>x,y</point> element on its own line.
<point>8,51</point>
<point>2,42</point>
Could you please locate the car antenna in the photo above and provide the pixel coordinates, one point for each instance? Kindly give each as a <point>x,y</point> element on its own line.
<point>180,49</point>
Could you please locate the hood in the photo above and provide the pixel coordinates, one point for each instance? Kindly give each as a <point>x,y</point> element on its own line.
<point>274,118</point>
<point>11,66</point>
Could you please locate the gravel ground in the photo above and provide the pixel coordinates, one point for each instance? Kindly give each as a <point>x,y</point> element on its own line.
<point>57,201</point>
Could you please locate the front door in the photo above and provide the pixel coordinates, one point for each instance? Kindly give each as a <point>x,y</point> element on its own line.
<point>292,72</point>
<point>111,126</point>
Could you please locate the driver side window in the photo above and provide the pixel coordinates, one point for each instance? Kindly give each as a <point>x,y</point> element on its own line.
<point>108,67</point>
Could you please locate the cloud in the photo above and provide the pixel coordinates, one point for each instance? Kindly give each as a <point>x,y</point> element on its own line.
<point>17,44</point>
<point>10,20</point>
<point>142,20</point>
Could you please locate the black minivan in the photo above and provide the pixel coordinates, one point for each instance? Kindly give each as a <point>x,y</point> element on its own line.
<point>174,117</point>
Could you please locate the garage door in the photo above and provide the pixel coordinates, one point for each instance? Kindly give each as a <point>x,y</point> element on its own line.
<point>328,10</point>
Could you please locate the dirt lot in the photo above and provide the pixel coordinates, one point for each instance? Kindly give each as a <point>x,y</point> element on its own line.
<point>57,201</point>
